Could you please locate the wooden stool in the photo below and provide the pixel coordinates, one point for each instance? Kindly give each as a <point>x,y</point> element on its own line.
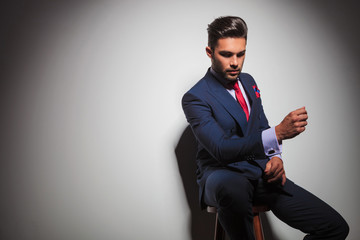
<point>259,234</point>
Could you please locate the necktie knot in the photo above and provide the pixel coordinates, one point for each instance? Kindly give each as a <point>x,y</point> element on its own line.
<point>236,86</point>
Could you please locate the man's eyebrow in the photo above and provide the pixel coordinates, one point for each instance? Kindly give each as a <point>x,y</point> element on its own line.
<point>224,51</point>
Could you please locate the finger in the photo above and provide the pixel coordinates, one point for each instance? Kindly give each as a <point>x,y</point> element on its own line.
<point>302,117</point>
<point>275,174</point>
<point>300,129</point>
<point>300,111</point>
<point>302,108</point>
<point>268,167</point>
<point>283,179</point>
<point>274,171</point>
<point>276,168</point>
<point>276,178</point>
<point>275,165</point>
<point>277,171</point>
<point>300,124</point>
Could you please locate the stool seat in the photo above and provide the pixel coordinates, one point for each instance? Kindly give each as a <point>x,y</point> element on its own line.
<point>259,234</point>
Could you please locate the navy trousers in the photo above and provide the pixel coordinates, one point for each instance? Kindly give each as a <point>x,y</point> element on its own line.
<point>233,195</point>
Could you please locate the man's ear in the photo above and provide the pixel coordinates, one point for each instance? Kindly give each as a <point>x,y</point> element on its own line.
<point>209,52</point>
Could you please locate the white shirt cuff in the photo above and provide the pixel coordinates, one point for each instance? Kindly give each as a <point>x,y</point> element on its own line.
<point>270,142</point>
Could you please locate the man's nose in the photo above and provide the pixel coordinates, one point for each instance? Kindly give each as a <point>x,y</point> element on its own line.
<point>234,62</point>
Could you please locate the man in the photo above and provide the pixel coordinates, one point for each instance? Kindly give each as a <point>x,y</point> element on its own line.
<point>239,156</point>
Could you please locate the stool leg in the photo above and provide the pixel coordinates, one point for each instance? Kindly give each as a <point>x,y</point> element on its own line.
<point>219,231</point>
<point>259,235</point>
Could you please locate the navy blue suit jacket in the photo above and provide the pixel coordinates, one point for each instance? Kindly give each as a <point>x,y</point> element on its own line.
<point>225,138</point>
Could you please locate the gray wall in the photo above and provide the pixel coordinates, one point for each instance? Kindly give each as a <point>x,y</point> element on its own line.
<point>91,114</point>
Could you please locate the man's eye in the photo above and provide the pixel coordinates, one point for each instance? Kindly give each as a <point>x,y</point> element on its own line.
<point>240,54</point>
<point>227,55</point>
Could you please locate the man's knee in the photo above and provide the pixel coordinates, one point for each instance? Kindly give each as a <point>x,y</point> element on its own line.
<point>341,228</point>
<point>334,228</point>
<point>345,229</point>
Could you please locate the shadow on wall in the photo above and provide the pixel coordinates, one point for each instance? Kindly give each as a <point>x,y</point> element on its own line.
<point>201,223</point>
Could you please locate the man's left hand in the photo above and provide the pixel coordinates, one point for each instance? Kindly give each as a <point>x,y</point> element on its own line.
<point>274,171</point>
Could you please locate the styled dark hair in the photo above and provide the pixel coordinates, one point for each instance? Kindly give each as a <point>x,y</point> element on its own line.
<point>224,27</point>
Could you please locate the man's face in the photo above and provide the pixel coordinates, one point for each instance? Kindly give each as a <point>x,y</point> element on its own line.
<point>228,57</point>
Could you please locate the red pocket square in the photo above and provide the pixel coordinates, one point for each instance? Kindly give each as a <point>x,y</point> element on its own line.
<point>257,91</point>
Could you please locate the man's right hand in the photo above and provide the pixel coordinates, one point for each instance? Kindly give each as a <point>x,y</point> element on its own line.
<point>292,125</point>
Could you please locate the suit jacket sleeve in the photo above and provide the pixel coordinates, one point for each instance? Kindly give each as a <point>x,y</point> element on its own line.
<point>221,143</point>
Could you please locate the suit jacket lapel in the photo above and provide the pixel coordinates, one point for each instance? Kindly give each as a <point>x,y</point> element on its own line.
<point>253,103</point>
<point>229,103</point>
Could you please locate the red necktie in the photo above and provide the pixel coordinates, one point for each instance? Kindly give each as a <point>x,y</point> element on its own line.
<point>241,99</point>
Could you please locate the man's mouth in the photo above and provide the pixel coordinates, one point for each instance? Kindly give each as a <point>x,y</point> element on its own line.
<point>233,72</point>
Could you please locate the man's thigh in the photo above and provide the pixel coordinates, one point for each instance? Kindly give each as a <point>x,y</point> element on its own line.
<point>226,185</point>
<point>306,212</point>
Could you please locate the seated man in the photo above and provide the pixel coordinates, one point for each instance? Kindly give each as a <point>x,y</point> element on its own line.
<point>239,156</point>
